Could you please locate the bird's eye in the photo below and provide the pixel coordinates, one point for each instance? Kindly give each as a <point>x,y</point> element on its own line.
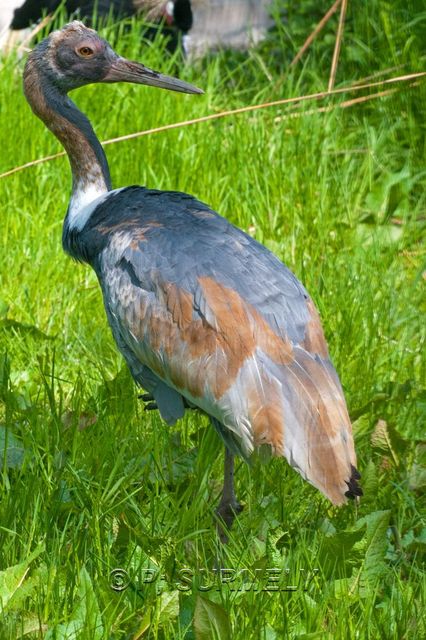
<point>85,52</point>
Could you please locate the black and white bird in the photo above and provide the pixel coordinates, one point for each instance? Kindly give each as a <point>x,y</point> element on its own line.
<point>203,314</point>
<point>172,18</point>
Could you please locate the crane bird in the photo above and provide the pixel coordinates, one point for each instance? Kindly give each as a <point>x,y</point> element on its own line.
<point>204,315</point>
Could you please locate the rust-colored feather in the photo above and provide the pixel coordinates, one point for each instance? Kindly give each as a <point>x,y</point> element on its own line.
<point>264,387</point>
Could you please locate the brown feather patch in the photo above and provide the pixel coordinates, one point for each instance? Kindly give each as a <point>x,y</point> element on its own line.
<point>242,325</point>
<point>135,227</point>
<point>216,349</point>
<point>180,304</point>
<point>266,415</point>
<point>327,425</point>
<point>314,340</point>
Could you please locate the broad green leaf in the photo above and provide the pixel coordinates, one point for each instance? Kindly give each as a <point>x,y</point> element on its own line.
<point>327,527</point>
<point>11,450</point>
<point>385,235</point>
<point>12,578</point>
<point>417,477</point>
<point>167,608</point>
<point>417,474</point>
<point>86,616</point>
<point>380,438</point>
<point>388,441</point>
<point>144,625</point>
<point>23,329</point>
<point>336,551</point>
<point>34,626</point>
<point>373,565</point>
<point>275,557</point>
<point>370,483</point>
<point>186,614</point>
<point>211,622</point>
<point>389,194</point>
<point>39,576</point>
<point>72,630</point>
<point>342,588</point>
<point>270,633</point>
<point>4,308</point>
<point>412,543</point>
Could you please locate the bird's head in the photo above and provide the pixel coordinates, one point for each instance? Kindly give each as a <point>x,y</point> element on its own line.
<point>76,55</point>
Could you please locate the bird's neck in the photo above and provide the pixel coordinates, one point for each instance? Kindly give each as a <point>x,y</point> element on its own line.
<point>89,166</point>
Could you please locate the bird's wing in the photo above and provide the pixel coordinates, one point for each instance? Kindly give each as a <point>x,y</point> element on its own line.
<point>219,319</point>
<point>170,402</point>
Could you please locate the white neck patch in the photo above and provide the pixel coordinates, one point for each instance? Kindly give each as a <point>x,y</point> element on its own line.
<point>83,203</point>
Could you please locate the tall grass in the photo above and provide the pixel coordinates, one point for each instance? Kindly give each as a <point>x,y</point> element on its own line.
<point>90,483</point>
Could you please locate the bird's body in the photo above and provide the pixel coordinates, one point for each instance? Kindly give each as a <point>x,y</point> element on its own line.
<point>203,314</point>
<point>200,310</point>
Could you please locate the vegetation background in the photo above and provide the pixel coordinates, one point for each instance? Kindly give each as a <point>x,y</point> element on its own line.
<point>105,513</point>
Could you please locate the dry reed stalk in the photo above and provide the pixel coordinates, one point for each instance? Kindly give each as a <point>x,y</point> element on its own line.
<point>341,105</point>
<point>337,46</point>
<point>321,24</point>
<point>24,44</point>
<point>377,74</point>
<point>223,114</point>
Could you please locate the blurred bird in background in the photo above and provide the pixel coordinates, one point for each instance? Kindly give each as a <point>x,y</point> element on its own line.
<point>219,24</point>
<point>200,25</point>
<point>172,18</point>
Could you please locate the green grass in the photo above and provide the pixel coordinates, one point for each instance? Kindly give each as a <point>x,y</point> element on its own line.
<point>90,483</point>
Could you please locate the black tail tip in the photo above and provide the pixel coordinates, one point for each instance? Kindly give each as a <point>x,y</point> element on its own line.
<point>354,490</point>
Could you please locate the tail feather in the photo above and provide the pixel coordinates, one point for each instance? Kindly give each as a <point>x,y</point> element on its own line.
<point>317,431</point>
<point>354,490</point>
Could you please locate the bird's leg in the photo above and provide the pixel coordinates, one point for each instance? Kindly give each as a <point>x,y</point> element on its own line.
<point>229,507</point>
<point>151,405</point>
<point>148,398</point>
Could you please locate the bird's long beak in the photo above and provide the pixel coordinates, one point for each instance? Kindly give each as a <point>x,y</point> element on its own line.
<point>122,70</point>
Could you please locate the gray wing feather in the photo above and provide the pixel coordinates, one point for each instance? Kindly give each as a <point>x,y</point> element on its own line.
<point>187,246</point>
<point>169,402</point>
<point>184,240</point>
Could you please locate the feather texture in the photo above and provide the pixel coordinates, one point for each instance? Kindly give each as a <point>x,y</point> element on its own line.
<point>202,311</point>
